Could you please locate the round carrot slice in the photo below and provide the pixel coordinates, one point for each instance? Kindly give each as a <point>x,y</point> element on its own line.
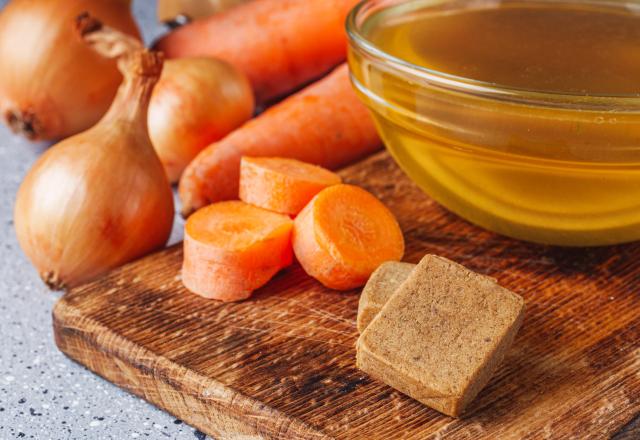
<point>282,185</point>
<point>343,235</point>
<point>232,249</point>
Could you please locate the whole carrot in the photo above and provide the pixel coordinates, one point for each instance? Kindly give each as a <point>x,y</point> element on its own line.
<point>279,44</point>
<point>324,124</point>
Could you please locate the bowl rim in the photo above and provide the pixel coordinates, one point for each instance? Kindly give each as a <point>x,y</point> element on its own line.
<point>358,41</point>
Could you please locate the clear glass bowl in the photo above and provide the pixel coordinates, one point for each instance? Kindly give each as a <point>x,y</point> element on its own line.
<point>551,168</point>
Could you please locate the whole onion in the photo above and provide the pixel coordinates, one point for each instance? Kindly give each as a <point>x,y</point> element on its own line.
<point>51,84</point>
<point>196,102</point>
<point>100,198</point>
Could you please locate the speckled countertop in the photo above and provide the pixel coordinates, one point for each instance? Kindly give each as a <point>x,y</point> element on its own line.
<point>43,394</point>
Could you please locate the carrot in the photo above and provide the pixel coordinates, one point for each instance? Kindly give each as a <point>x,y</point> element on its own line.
<point>324,124</point>
<point>282,185</point>
<point>279,44</point>
<point>343,235</point>
<point>232,249</point>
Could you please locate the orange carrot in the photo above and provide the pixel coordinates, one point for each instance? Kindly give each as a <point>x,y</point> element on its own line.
<point>324,124</point>
<point>279,44</point>
<point>282,185</point>
<point>232,249</point>
<point>343,235</point>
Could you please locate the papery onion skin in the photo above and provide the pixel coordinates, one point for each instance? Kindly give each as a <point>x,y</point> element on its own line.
<point>196,102</point>
<point>65,199</point>
<point>100,198</point>
<point>51,84</point>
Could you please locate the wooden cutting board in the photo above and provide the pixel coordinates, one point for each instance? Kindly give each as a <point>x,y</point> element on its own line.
<point>282,365</point>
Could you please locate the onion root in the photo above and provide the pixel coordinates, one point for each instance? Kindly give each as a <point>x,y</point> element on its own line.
<point>24,123</point>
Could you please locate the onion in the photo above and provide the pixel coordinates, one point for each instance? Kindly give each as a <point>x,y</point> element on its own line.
<point>170,10</point>
<point>51,84</point>
<point>197,101</point>
<point>100,198</point>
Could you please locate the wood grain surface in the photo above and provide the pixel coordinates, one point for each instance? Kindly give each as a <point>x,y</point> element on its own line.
<point>282,365</point>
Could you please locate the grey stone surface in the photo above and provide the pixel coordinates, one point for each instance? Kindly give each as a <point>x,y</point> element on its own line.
<point>43,394</point>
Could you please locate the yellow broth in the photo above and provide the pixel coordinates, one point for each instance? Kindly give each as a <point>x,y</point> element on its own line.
<point>535,163</point>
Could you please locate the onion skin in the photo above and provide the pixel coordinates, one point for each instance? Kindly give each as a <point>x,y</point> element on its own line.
<point>51,84</point>
<point>196,102</point>
<point>63,202</point>
<point>100,198</point>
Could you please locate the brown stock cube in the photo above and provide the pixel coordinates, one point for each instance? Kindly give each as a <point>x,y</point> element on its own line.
<point>381,285</point>
<point>441,336</point>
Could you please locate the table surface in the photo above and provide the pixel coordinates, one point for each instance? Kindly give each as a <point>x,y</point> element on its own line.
<point>43,394</point>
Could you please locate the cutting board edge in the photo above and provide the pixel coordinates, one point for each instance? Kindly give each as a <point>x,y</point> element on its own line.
<point>216,410</point>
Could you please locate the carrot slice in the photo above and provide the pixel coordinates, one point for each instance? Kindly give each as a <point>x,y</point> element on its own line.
<point>282,185</point>
<point>343,235</point>
<point>233,248</point>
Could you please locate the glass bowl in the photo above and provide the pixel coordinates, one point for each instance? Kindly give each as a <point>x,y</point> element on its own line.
<point>551,168</point>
